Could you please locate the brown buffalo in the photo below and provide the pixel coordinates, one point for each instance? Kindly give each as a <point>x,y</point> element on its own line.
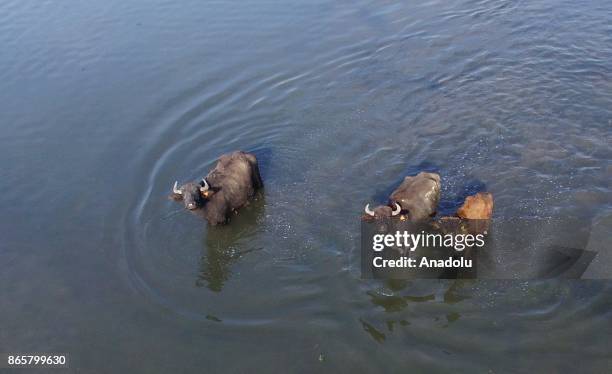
<point>479,206</point>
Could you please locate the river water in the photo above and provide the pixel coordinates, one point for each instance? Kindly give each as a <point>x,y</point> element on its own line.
<point>104,104</point>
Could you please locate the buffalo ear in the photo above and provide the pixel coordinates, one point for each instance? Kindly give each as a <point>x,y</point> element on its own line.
<point>175,197</point>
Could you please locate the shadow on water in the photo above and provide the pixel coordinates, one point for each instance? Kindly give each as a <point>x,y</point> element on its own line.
<point>223,247</point>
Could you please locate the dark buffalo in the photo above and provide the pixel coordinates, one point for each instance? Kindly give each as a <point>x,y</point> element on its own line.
<point>382,211</point>
<point>416,198</point>
<point>228,187</point>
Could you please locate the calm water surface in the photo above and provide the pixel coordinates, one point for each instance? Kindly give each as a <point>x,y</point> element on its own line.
<point>105,103</point>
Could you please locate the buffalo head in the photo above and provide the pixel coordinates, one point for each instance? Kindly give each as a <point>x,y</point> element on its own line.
<point>193,194</point>
<point>382,211</point>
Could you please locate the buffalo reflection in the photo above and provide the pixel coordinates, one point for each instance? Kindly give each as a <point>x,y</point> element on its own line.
<point>405,293</point>
<point>224,245</point>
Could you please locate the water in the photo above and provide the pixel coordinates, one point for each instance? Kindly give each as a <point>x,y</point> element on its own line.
<point>104,104</point>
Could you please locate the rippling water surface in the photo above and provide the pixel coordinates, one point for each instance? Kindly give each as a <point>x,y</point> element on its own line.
<point>104,104</point>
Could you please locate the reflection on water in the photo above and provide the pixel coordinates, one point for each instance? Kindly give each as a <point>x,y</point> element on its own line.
<point>395,303</point>
<point>399,298</point>
<point>373,332</point>
<point>223,246</point>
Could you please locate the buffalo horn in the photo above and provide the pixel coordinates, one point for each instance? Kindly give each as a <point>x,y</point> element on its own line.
<point>175,189</point>
<point>397,210</point>
<point>205,187</point>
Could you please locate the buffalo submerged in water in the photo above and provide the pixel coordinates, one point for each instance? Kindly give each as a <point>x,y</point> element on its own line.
<point>228,187</point>
<point>416,198</point>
